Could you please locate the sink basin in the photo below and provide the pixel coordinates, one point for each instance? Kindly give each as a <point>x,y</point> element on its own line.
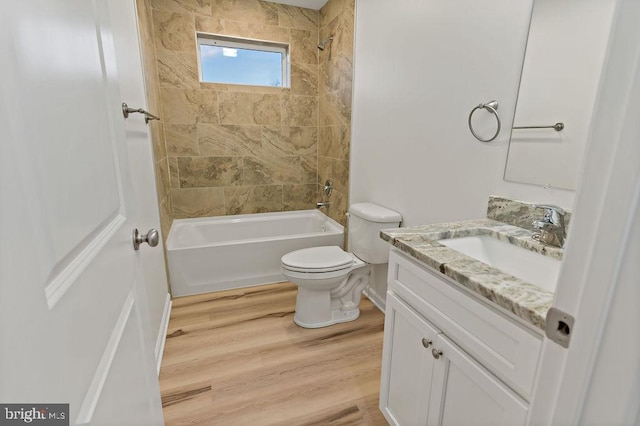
<point>529,266</point>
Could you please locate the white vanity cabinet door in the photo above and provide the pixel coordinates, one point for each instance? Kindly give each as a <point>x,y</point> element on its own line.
<point>464,393</point>
<point>407,365</point>
<point>505,348</point>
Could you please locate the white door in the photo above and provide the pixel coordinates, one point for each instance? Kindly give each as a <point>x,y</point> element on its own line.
<point>597,379</point>
<point>73,311</point>
<point>464,393</point>
<point>140,154</point>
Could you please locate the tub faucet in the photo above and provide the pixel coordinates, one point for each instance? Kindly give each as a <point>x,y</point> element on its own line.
<point>551,227</point>
<point>323,204</point>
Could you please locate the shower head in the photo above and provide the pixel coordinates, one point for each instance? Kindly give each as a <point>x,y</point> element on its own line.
<point>324,42</point>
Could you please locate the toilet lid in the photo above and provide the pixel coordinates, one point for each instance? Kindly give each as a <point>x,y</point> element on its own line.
<point>317,259</point>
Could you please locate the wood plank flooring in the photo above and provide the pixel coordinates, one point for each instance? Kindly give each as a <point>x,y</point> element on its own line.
<point>237,358</point>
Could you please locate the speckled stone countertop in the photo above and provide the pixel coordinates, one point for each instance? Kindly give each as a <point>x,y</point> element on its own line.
<point>525,300</point>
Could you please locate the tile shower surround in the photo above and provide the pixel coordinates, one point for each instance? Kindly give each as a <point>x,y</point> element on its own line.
<point>234,149</point>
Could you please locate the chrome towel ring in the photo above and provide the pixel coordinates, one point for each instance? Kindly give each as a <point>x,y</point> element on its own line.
<point>492,107</point>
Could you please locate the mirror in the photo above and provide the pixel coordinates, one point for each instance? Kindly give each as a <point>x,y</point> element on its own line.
<point>562,66</point>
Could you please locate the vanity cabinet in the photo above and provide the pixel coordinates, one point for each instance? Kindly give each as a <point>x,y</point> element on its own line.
<point>449,359</point>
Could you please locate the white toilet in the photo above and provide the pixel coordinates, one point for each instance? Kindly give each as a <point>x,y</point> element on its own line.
<point>330,280</point>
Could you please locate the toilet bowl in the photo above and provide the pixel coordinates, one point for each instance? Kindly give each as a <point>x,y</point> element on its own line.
<point>330,280</point>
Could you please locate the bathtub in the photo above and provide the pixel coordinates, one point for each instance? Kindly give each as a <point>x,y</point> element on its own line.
<point>219,253</point>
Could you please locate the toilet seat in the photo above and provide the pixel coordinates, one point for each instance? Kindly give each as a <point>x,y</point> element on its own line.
<point>317,260</point>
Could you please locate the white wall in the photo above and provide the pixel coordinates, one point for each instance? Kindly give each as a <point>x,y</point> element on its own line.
<point>420,67</point>
<point>565,53</point>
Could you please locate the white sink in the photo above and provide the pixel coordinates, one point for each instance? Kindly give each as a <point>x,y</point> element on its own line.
<point>529,266</point>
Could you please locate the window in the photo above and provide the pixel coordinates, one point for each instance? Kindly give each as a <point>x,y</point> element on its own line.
<point>241,61</point>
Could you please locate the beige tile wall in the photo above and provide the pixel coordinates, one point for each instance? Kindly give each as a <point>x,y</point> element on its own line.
<point>152,83</point>
<point>234,149</point>
<point>163,185</point>
<point>335,94</point>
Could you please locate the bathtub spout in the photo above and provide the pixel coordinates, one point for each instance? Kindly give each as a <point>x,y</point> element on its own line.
<point>321,205</point>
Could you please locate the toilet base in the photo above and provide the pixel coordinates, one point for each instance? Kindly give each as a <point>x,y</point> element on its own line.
<point>325,302</point>
<point>336,318</point>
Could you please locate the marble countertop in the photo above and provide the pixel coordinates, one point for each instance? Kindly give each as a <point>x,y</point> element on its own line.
<point>527,301</point>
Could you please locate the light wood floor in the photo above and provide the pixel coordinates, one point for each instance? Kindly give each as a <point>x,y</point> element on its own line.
<point>236,358</point>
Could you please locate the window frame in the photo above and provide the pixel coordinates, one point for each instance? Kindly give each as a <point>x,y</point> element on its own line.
<point>218,40</point>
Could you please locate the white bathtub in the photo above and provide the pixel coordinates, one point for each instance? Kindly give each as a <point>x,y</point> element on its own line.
<point>219,253</point>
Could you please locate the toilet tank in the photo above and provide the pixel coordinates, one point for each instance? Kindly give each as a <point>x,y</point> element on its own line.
<point>366,220</point>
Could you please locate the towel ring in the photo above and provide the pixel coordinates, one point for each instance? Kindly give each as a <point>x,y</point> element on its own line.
<point>492,107</point>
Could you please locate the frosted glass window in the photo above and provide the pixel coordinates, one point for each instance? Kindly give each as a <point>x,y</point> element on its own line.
<point>237,61</point>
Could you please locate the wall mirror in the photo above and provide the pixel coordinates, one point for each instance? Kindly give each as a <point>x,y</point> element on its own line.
<point>562,66</point>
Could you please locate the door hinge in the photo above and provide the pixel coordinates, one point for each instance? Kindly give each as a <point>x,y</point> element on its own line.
<point>559,326</point>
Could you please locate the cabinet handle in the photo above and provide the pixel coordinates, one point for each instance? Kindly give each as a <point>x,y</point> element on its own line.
<point>426,343</point>
<point>436,353</point>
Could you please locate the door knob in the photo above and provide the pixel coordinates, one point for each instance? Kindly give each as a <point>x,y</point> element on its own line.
<point>437,353</point>
<point>426,342</point>
<point>152,238</point>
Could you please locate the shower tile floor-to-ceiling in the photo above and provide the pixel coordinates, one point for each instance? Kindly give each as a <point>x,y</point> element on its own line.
<point>236,358</point>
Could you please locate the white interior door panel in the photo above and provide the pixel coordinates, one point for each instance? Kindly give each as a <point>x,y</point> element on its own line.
<point>72,292</point>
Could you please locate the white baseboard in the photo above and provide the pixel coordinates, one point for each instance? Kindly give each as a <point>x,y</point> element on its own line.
<point>378,302</point>
<point>162,333</point>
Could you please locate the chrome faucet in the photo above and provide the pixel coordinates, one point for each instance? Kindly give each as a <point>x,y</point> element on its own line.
<point>551,227</point>
<point>323,204</point>
<point>328,188</point>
